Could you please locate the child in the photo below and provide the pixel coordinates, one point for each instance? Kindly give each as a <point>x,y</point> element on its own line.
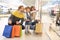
<point>33,16</point>
<point>28,20</point>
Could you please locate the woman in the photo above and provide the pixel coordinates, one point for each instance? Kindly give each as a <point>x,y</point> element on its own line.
<point>17,17</point>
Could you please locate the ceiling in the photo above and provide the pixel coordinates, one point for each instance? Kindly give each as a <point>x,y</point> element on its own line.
<point>32,2</point>
<point>25,2</point>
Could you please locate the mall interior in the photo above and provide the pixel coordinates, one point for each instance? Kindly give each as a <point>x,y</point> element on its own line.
<point>47,13</point>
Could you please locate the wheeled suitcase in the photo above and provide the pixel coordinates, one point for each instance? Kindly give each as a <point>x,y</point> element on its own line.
<point>38,28</point>
<point>7,31</point>
<point>16,31</point>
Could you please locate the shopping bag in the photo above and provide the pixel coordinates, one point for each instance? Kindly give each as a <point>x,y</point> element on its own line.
<point>7,31</point>
<point>16,31</point>
<point>38,28</point>
<point>20,31</point>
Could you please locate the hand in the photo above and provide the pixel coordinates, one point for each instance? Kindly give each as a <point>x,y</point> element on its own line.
<point>10,22</point>
<point>17,22</point>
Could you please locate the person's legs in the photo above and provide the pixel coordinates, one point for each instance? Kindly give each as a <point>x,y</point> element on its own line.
<point>29,29</point>
<point>26,29</point>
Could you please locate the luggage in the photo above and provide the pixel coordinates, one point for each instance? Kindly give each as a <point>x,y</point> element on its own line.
<point>16,31</point>
<point>38,28</point>
<point>7,31</point>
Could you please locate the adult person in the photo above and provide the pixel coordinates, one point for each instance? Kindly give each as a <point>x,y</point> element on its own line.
<point>17,17</point>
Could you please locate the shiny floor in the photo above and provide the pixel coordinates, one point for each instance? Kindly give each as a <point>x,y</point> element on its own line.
<point>46,35</point>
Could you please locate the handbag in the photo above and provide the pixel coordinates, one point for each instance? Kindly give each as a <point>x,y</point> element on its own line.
<point>7,31</point>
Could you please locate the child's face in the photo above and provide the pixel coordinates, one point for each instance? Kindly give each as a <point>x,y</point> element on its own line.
<point>22,9</point>
<point>28,10</point>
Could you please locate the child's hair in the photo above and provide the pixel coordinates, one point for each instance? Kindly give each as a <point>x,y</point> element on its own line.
<point>20,7</point>
<point>33,8</point>
<point>27,8</point>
